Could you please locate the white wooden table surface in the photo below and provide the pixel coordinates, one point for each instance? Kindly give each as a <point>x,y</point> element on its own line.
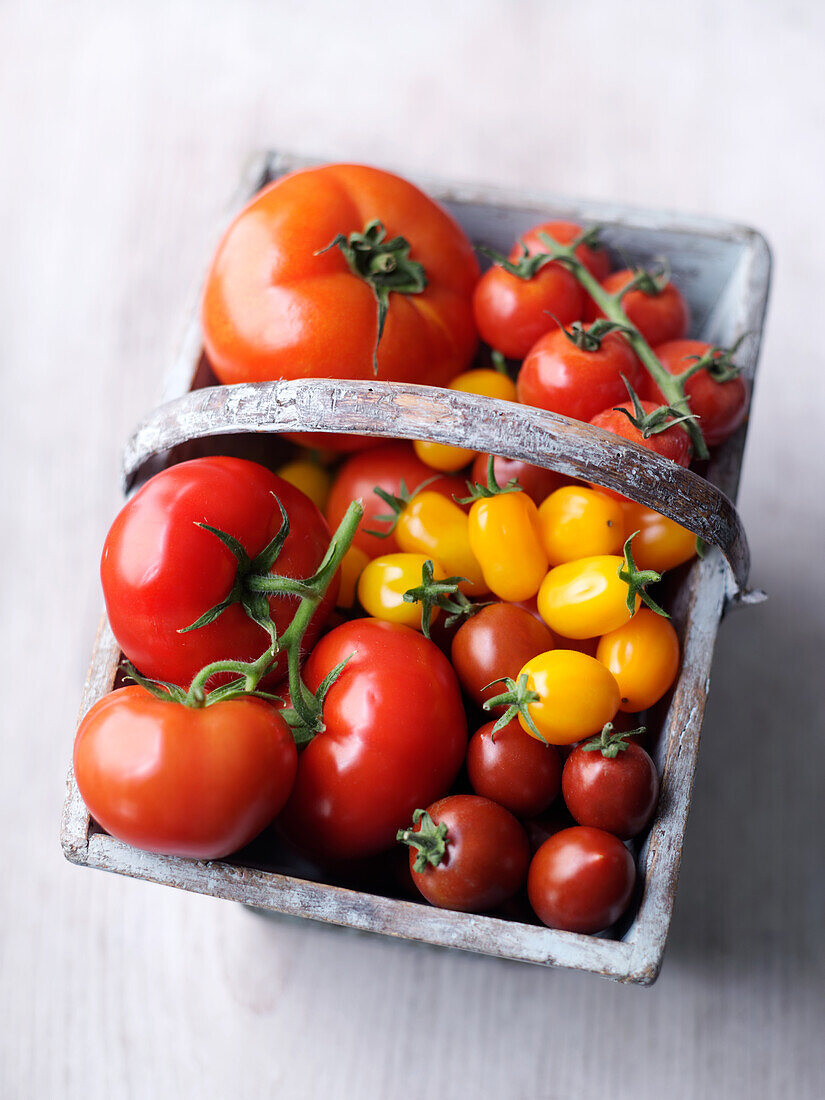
<point>122,131</point>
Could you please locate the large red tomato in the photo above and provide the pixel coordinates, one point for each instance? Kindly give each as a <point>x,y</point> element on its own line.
<point>394,740</point>
<point>161,572</point>
<point>187,781</point>
<point>279,303</point>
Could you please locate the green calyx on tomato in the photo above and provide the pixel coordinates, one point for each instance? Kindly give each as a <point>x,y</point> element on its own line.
<point>384,265</point>
<point>517,699</point>
<point>396,503</point>
<point>718,362</point>
<point>445,595</point>
<point>609,742</point>
<point>637,581</point>
<point>527,265</point>
<point>653,422</point>
<point>430,840</point>
<point>589,337</point>
<point>671,386</point>
<point>477,491</point>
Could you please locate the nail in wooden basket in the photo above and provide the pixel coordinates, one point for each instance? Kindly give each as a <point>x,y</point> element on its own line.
<point>723,270</point>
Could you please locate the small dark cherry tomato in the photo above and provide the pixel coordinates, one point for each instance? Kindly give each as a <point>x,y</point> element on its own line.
<point>720,406</point>
<point>659,317</point>
<point>537,482</point>
<point>564,378</point>
<point>497,641</point>
<point>467,853</point>
<point>611,788</point>
<point>513,769</point>
<point>581,880</point>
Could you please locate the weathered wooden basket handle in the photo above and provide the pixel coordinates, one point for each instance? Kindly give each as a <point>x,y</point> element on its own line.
<point>397,410</point>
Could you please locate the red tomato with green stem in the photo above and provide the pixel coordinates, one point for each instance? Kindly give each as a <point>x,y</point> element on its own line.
<point>656,307</point>
<point>162,571</point>
<point>394,738</point>
<point>611,783</point>
<point>632,420</point>
<point>580,374</point>
<point>513,769</point>
<point>187,781</point>
<point>581,880</point>
<point>466,853</point>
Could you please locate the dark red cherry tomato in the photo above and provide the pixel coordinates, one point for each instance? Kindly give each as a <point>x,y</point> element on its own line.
<point>161,571</point>
<point>384,467</point>
<point>658,316</point>
<point>537,482</point>
<point>581,880</point>
<point>497,641</point>
<point>564,378</point>
<point>720,406</point>
<point>187,781</point>
<point>673,443</point>
<point>611,787</point>
<point>394,739</point>
<point>467,853</point>
<point>513,769</point>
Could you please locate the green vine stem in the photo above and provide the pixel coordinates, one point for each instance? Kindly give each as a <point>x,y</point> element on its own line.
<point>671,386</point>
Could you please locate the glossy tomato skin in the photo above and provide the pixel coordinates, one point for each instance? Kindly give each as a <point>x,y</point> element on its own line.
<point>433,525</point>
<point>160,571</point>
<point>660,543</point>
<point>616,794</point>
<point>384,581</point>
<point>197,782</point>
<point>659,317</point>
<point>383,467</point>
<point>586,598</point>
<point>497,641</point>
<point>576,696</point>
<point>513,769</point>
<point>643,656</point>
<point>395,737</point>
<point>673,443</point>
<point>581,880</point>
<point>720,406</point>
<point>277,303</point>
<point>536,482</point>
<point>506,543</point>
<point>486,858</point>
<point>577,522</point>
<point>561,377</point>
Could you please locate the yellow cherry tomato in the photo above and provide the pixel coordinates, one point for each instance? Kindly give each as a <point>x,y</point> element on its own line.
<point>384,581</point>
<point>585,598</point>
<point>643,656</point>
<point>505,539</point>
<point>432,524</point>
<point>309,477</point>
<point>577,696</point>
<point>660,544</point>
<point>352,566</point>
<point>579,523</point>
<point>484,381</point>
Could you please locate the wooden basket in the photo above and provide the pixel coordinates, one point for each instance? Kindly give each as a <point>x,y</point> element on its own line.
<point>724,271</point>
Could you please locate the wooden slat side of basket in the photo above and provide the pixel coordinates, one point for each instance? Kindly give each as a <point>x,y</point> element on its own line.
<point>637,956</point>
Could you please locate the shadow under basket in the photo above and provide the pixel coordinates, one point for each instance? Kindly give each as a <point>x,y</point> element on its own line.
<point>723,270</point>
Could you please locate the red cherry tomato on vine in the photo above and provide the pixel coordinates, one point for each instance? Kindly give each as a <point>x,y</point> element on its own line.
<point>512,313</point>
<point>161,572</point>
<point>186,781</point>
<point>581,880</point>
<point>615,793</point>
<point>513,769</point>
<point>384,467</point>
<point>536,482</point>
<point>720,406</point>
<point>564,378</point>
<point>673,443</point>
<point>659,317</point>
<point>497,641</point>
<point>467,853</point>
<point>394,739</point>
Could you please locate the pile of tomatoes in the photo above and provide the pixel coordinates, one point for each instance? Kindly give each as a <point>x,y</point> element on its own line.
<point>408,646</point>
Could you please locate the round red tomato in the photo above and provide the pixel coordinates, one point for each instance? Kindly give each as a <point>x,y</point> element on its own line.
<point>581,880</point>
<point>394,739</point>
<point>720,406</point>
<point>186,781</point>
<point>495,642</point>
<point>161,571</point>
<point>513,769</point>
<point>384,467</point>
<point>278,302</point>
<point>512,312</point>
<point>537,482</point>
<point>659,316</point>
<point>467,853</point>
<point>564,378</point>
<point>615,793</point>
<point>673,443</point>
